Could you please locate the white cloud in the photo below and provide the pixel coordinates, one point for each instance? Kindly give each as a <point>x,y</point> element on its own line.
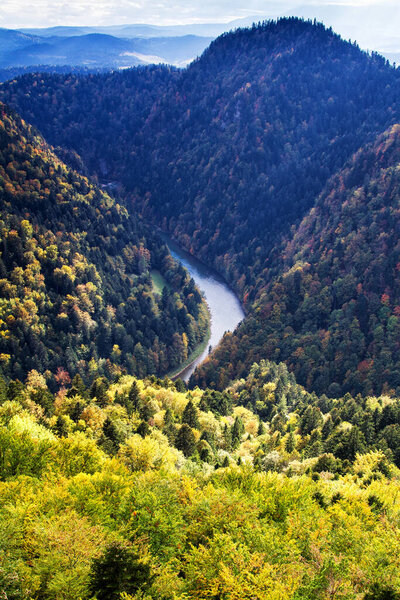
<point>45,13</point>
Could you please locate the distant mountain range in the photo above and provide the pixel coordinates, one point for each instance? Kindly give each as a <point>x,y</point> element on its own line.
<point>96,50</point>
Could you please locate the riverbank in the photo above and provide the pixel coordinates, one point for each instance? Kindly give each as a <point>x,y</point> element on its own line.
<point>197,352</point>
<point>224,308</point>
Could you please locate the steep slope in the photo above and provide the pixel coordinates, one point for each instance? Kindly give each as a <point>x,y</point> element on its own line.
<point>75,284</point>
<point>333,311</point>
<point>251,135</point>
<point>99,116</point>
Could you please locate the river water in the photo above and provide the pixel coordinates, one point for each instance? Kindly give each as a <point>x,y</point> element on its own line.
<point>225,309</point>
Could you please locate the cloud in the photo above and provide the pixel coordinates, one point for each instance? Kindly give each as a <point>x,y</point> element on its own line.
<point>46,13</point>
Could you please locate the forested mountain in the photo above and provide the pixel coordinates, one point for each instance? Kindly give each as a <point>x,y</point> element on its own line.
<point>228,155</point>
<point>332,313</point>
<point>233,150</point>
<point>145,489</point>
<point>75,285</point>
<point>99,116</point>
<point>277,481</point>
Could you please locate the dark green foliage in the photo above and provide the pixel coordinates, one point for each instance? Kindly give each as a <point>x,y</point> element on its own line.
<point>119,569</point>
<point>143,429</point>
<point>380,591</point>
<point>111,433</point>
<point>237,432</point>
<point>61,427</point>
<point>185,440</point>
<point>190,416</point>
<point>180,385</point>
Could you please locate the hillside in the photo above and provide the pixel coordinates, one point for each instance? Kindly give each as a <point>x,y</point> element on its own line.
<point>229,155</point>
<point>75,285</point>
<point>93,114</point>
<point>332,313</point>
<point>142,488</point>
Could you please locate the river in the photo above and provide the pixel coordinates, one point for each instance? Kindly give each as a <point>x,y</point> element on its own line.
<point>224,306</point>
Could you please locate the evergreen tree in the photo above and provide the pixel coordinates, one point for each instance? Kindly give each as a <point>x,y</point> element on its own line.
<point>190,416</point>
<point>118,570</point>
<point>185,440</point>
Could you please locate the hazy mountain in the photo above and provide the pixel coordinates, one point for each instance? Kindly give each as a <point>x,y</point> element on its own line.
<point>374,26</point>
<point>11,40</point>
<point>139,30</point>
<point>96,50</point>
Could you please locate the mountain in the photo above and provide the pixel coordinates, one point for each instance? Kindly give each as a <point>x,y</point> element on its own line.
<point>142,30</point>
<point>96,50</point>
<point>11,40</point>
<point>229,154</point>
<point>76,286</point>
<point>332,312</point>
<point>374,26</point>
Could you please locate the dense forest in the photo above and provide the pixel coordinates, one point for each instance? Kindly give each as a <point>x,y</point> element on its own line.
<point>75,275</point>
<point>276,475</point>
<point>332,313</point>
<point>139,490</point>
<point>229,155</point>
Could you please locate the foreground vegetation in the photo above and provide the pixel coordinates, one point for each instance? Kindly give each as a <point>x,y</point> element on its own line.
<point>143,488</point>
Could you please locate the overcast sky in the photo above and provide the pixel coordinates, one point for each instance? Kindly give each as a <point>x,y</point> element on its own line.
<point>46,13</point>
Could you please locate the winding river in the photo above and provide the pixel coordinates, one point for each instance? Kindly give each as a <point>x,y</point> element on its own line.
<point>224,306</point>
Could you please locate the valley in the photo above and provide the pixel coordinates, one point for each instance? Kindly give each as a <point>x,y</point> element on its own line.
<point>200,361</point>
<point>223,305</point>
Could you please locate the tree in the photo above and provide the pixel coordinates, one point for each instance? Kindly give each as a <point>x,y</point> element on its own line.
<point>237,432</point>
<point>185,440</point>
<point>189,415</point>
<point>119,569</point>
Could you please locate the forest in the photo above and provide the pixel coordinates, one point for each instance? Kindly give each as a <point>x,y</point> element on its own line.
<point>229,155</point>
<point>274,473</point>
<point>332,313</point>
<point>139,489</point>
<point>75,275</point>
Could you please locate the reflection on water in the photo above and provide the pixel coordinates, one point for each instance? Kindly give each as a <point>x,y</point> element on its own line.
<point>225,308</point>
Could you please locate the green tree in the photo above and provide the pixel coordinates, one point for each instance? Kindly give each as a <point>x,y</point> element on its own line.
<point>185,440</point>
<point>119,569</point>
<point>190,416</point>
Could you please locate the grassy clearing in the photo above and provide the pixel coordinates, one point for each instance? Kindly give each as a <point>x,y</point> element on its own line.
<point>158,281</point>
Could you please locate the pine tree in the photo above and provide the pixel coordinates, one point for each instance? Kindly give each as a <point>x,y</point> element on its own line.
<point>189,415</point>
<point>237,432</point>
<point>185,440</point>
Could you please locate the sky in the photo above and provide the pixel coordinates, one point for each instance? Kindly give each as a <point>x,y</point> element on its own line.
<point>47,13</point>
